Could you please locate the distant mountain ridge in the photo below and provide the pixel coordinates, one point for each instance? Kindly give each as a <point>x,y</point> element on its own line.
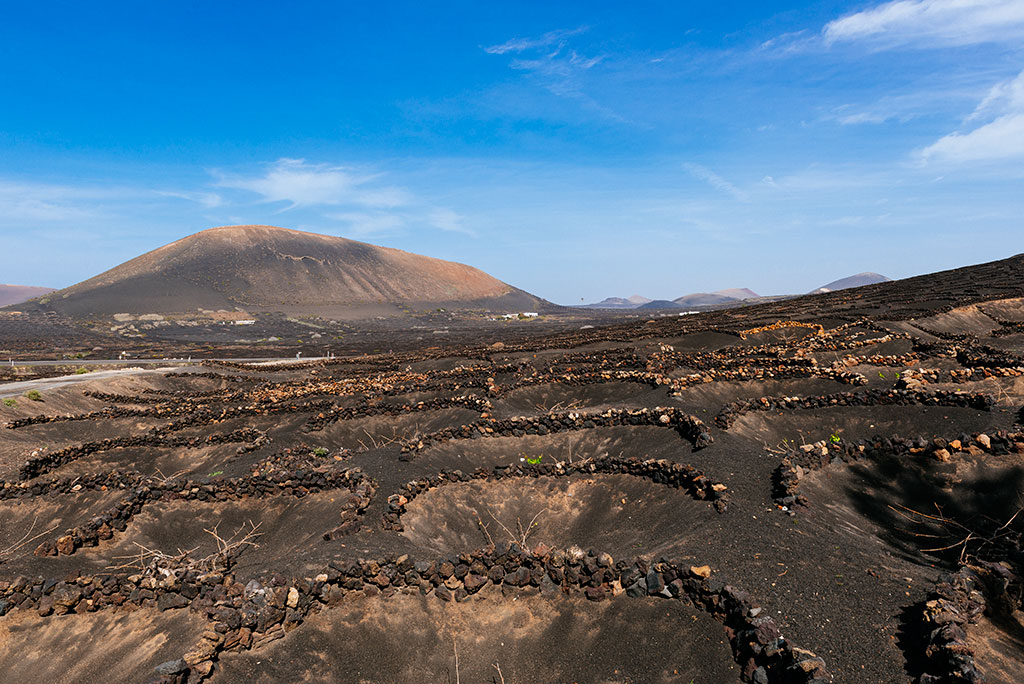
<point>730,297</point>
<point>659,304</point>
<point>618,303</point>
<point>858,280</point>
<point>686,301</point>
<point>16,294</point>
<point>715,298</point>
<point>611,303</point>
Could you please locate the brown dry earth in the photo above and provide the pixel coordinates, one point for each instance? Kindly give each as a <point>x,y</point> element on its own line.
<point>267,266</point>
<point>525,443</point>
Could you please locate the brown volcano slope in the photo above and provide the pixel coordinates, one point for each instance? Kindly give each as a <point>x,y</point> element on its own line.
<point>268,267</point>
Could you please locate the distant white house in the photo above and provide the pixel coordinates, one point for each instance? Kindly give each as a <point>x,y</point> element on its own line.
<point>521,314</point>
<point>246,322</point>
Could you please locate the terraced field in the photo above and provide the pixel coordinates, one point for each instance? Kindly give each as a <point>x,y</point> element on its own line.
<point>775,494</point>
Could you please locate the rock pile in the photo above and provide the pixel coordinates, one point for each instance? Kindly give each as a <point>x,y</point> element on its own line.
<point>660,471</point>
<point>141,491</point>
<point>731,412</point>
<point>810,457</point>
<point>690,427</point>
<point>952,605</point>
<point>261,611</point>
<point>41,463</point>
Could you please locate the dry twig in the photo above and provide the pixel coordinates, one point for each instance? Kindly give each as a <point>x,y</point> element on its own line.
<point>26,539</point>
<point>972,535</point>
<point>456,649</point>
<point>524,533</point>
<point>227,550</point>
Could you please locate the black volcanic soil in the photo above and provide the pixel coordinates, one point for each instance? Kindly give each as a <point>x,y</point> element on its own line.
<point>97,647</point>
<point>832,467</point>
<point>532,639</point>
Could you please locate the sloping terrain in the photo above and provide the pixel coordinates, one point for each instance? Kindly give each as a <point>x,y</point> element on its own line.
<point>15,294</point>
<point>266,267</point>
<point>658,304</point>
<point>828,488</point>
<point>614,303</point>
<point>858,280</point>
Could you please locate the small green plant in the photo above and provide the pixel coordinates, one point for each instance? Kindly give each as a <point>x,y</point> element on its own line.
<point>33,395</point>
<point>320,452</point>
<point>81,370</point>
<point>535,460</point>
<point>215,473</point>
<point>10,402</point>
<point>881,375</point>
<point>835,438</point>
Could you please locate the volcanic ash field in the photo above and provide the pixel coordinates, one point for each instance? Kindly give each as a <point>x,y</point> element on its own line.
<point>763,500</point>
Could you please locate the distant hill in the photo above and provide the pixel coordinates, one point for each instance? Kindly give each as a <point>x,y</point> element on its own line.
<point>611,303</point>
<point>859,280</point>
<point>618,303</point>
<point>715,298</point>
<point>264,267</point>
<point>697,299</point>
<point>16,294</point>
<point>659,304</point>
<point>738,293</point>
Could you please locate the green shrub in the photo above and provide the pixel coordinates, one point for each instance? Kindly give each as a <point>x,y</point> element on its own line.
<point>10,402</point>
<point>81,370</point>
<point>33,395</point>
<point>320,452</point>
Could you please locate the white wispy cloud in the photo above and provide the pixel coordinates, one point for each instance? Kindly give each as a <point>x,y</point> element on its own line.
<point>22,202</point>
<point>1002,98</point>
<point>944,92</point>
<point>369,223</point>
<point>548,39</point>
<point>556,67</point>
<point>716,181</point>
<point>303,184</point>
<point>30,201</point>
<point>997,132</point>
<point>931,23</point>
<point>557,70</point>
<point>901,108</point>
<point>317,194</point>
<point>1000,139</point>
<point>793,41</point>
<point>210,200</point>
<point>449,220</point>
<point>365,223</point>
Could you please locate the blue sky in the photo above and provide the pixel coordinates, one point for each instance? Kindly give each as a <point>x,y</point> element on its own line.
<point>575,150</point>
